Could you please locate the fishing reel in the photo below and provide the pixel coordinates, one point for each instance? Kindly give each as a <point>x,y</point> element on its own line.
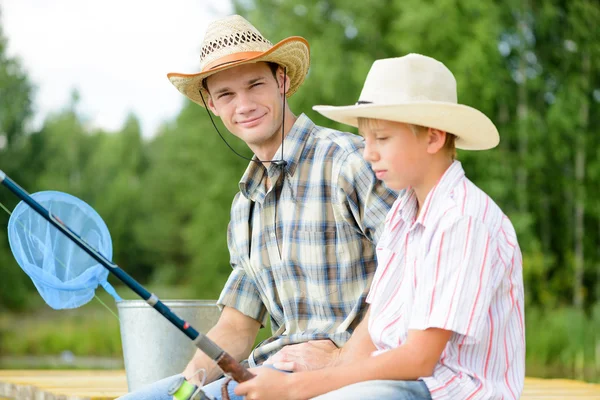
<point>181,389</point>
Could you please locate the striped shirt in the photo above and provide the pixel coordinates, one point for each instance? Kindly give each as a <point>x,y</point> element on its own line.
<point>457,266</point>
<point>303,251</point>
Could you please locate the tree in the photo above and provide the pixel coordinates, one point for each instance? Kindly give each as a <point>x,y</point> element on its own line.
<point>188,189</point>
<point>15,110</point>
<point>117,164</point>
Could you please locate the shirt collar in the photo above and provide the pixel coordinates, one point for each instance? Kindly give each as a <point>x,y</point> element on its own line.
<point>293,146</point>
<point>434,204</point>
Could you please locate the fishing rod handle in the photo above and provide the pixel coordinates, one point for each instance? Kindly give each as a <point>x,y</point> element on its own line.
<point>234,369</point>
<point>228,364</point>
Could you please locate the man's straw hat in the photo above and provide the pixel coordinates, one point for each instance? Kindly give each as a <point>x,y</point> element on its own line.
<point>233,41</point>
<point>418,90</point>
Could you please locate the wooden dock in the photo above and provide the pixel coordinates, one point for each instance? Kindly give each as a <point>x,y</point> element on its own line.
<point>105,385</point>
<point>62,384</point>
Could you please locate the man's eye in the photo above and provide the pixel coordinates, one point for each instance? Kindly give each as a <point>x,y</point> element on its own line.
<point>224,95</point>
<point>381,138</point>
<point>256,84</point>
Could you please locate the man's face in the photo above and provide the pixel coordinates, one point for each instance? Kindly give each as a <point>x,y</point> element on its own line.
<point>248,99</point>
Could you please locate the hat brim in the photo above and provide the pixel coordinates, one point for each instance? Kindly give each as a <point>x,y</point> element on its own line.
<point>473,129</point>
<point>293,53</point>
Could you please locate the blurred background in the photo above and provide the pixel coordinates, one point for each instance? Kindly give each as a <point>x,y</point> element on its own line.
<point>95,116</point>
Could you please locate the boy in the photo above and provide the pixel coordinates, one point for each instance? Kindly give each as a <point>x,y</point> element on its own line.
<point>446,303</point>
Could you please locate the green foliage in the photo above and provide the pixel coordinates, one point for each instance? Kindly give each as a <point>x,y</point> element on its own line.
<point>188,190</point>
<point>15,111</point>
<point>15,96</point>
<point>85,332</point>
<point>563,342</point>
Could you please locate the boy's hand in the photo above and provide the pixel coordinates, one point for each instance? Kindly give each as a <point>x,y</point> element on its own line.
<point>314,354</point>
<point>267,384</point>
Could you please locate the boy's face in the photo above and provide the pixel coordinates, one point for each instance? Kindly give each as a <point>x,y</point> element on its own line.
<point>248,99</point>
<point>398,156</point>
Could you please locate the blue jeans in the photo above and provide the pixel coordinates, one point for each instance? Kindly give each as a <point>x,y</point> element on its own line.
<point>160,390</point>
<point>376,390</point>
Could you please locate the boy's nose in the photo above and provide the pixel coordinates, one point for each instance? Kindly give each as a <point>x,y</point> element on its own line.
<point>369,153</point>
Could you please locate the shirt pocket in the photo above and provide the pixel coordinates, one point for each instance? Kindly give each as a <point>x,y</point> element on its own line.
<point>313,261</point>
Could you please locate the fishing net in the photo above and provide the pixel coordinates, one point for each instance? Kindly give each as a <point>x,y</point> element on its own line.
<point>64,275</point>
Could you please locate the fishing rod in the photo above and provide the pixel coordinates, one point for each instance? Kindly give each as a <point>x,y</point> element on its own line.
<point>227,363</point>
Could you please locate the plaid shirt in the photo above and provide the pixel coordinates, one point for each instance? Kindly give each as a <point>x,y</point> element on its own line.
<point>303,251</point>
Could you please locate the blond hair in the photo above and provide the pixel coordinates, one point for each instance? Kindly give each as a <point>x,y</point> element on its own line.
<point>449,145</point>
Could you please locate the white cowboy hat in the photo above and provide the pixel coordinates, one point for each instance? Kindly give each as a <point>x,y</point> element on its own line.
<point>418,90</point>
<point>233,41</point>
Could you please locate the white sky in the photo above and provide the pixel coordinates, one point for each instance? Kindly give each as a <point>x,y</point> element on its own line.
<point>115,52</point>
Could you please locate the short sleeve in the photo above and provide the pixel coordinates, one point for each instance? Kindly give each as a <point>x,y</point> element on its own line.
<point>457,281</point>
<point>240,291</point>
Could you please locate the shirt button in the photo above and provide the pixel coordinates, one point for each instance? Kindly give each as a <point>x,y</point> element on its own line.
<point>272,234</point>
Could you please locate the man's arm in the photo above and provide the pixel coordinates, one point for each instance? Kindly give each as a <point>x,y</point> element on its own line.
<point>235,333</point>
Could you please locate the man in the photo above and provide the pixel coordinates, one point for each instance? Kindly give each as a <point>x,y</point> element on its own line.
<point>304,223</point>
<point>446,304</point>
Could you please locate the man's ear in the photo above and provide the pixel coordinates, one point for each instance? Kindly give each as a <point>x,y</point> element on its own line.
<point>435,140</point>
<point>211,105</point>
<point>280,81</point>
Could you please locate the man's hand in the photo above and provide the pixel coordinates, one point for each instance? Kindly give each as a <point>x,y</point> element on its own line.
<point>267,384</point>
<point>315,354</point>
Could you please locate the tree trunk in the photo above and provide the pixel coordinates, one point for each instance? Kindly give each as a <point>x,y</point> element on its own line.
<point>580,150</point>
<point>522,116</point>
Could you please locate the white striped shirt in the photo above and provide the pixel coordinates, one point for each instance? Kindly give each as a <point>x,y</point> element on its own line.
<point>457,267</point>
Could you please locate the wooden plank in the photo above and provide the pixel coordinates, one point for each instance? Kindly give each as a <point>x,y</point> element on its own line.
<point>62,384</point>
<point>109,384</point>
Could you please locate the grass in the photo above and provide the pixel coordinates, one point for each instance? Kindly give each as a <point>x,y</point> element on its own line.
<point>563,343</point>
<point>88,331</point>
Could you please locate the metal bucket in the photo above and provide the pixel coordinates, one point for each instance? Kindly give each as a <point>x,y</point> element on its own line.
<point>153,348</point>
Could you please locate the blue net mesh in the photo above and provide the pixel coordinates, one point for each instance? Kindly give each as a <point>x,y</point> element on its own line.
<point>64,275</point>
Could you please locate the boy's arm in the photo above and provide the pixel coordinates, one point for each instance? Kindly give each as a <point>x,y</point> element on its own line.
<point>359,346</point>
<point>235,333</point>
<point>416,358</point>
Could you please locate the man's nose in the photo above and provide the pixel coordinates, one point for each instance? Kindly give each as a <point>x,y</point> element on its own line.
<point>244,103</point>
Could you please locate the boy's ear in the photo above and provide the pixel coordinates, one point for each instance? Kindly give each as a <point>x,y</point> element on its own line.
<point>435,140</point>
